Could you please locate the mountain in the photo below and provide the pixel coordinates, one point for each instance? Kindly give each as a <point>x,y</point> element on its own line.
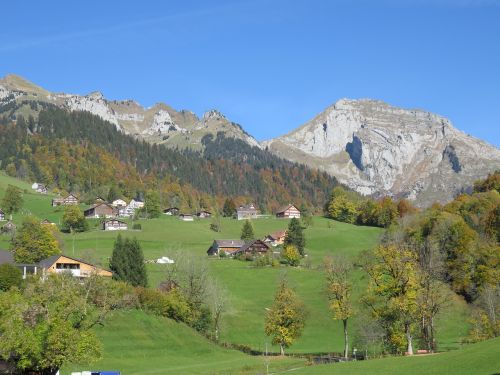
<point>378,149</point>
<point>157,124</point>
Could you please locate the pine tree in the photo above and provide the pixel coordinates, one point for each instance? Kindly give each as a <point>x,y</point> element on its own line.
<point>137,269</point>
<point>295,236</point>
<point>247,233</point>
<point>119,261</point>
<point>229,208</point>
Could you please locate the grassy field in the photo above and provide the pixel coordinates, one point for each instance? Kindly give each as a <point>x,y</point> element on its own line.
<point>480,359</point>
<point>250,289</point>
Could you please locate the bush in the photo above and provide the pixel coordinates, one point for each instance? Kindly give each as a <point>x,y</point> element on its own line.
<point>290,255</point>
<point>137,226</point>
<point>10,276</point>
<point>172,305</point>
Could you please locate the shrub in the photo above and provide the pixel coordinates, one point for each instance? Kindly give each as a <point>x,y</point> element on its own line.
<point>137,226</point>
<point>10,276</point>
<point>291,255</point>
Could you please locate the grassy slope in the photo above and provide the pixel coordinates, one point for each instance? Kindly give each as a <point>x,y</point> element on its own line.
<point>481,358</point>
<point>250,290</point>
<point>137,343</point>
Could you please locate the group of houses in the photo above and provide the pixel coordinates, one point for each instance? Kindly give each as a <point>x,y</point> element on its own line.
<point>39,188</point>
<point>55,264</point>
<point>234,248</point>
<point>251,212</point>
<point>175,211</point>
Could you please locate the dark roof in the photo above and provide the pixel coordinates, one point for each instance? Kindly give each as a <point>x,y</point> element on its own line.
<point>277,234</point>
<point>250,207</point>
<point>1,211</point>
<point>284,208</point>
<point>204,211</point>
<point>99,204</point>
<point>229,243</point>
<point>170,209</point>
<point>6,257</point>
<point>120,221</point>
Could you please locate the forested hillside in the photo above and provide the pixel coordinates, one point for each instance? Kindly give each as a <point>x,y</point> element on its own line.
<point>80,152</point>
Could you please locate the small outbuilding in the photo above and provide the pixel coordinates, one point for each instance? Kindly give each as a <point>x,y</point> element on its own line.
<point>114,224</point>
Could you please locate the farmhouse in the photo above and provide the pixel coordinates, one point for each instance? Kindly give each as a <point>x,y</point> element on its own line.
<point>228,246</point>
<point>252,247</point>
<point>246,212</point>
<point>71,199</point>
<point>119,203</point>
<point>56,264</point>
<point>276,238</point>
<point>288,212</point>
<point>39,188</point>
<point>2,215</point>
<point>171,211</point>
<point>47,222</point>
<point>136,204</point>
<point>204,214</point>
<point>186,217</point>
<point>99,210</point>
<point>114,224</point>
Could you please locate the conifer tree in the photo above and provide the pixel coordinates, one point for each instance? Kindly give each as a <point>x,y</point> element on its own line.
<point>229,208</point>
<point>119,261</point>
<point>247,233</point>
<point>137,269</point>
<point>295,236</point>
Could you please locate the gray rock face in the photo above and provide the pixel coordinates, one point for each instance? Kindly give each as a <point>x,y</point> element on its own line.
<point>378,149</point>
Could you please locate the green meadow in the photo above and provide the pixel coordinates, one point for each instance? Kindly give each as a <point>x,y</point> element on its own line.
<point>250,289</point>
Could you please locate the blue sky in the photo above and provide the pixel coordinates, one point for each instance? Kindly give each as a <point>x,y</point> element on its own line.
<point>268,65</point>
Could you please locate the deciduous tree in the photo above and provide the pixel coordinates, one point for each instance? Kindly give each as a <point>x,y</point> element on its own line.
<point>33,242</point>
<point>12,200</point>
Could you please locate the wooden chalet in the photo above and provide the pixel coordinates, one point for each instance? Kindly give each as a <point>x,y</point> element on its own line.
<point>186,217</point>
<point>288,212</point>
<point>246,212</point>
<point>255,247</point>
<point>2,215</point>
<point>276,238</point>
<point>71,199</point>
<point>203,214</point>
<point>100,210</point>
<point>114,224</point>
<point>171,211</point>
<point>47,222</point>
<point>228,246</point>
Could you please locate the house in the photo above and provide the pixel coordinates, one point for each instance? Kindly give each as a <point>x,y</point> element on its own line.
<point>2,215</point>
<point>100,210</point>
<point>47,222</point>
<point>136,203</point>
<point>276,238</point>
<point>204,214</point>
<point>71,199</point>
<point>55,264</point>
<point>119,203</point>
<point>171,211</point>
<point>228,246</point>
<point>288,212</point>
<point>252,247</point>
<point>126,211</point>
<point>246,212</point>
<point>186,217</point>
<point>41,188</point>
<point>114,224</point>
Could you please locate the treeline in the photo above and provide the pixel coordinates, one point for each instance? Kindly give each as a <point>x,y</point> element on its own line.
<point>79,151</point>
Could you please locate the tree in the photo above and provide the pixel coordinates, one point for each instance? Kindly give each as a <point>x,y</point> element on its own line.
<point>339,290</point>
<point>127,262</point>
<point>152,206</point>
<point>73,220</point>
<point>247,233</point>
<point>218,305</point>
<point>215,224</point>
<point>12,200</point>
<point>285,320</point>
<point>229,208</point>
<point>113,193</point>
<point>295,236</point>
<point>341,207</point>
<point>48,325</point>
<point>10,276</point>
<point>291,255</point>
<point>386,212</point>
<point>392,295</point>
<point>34,242</point>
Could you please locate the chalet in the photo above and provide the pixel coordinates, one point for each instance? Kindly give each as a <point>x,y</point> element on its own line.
<point>119,203</point>
<point>246,212</point>
<point>204,214</point>
<point>2,215</point>
<point>114,224</point>
<point>47,222</point>
<point>186,217</point>
<point>288,212</point>
<point>252,247</point>
<point>276,238</point>
<point>136,203</point>
<point>56,264</point>
<point>228,246</point>
<point>100,210</point>
<point>71,199</point>
<point>171,211</point>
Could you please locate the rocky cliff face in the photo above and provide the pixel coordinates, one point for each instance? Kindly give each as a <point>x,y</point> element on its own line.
<point>158,124</point>
<point>378,149</point>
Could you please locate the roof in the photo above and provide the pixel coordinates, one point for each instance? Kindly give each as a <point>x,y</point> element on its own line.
<point>250,207</point>
<point>204,211</point>
<point>1,211</point>
<point>229,243</point>
<point>284,208</point>
<point>6,257</point>
<point>120,221</point>
<point>251,243</point>
<point>47,262</point>
<point>100,204</point>
<point>171,208</point>
<point>277,235</point>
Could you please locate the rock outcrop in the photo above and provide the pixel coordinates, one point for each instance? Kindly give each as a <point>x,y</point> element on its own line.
<point>378,149</point>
